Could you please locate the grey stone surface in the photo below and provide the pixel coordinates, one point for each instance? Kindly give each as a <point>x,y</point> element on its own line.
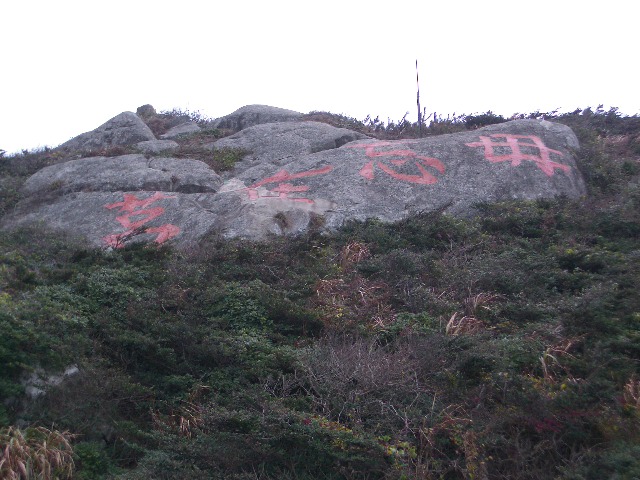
<point>301,176</point>
<point>109,219</point>
<point>251,115</point>
<point>275,144</point>
<point>146,111</point>
<point>123,173</point>
<point>37,383</point>
<point>182,129</point>
<point>123,129</point>
<point>391,180</point>
<point>157,146</point>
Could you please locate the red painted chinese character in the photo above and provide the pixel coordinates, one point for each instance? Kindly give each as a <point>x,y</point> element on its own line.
<point>515,142</point>
<point>425,178</point>
<point>284,189</point>
<point>135,207</point>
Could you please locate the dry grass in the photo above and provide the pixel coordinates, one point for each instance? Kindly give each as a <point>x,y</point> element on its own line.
<point>551,355</point>
<point>631,393</point>
<point>474,303</point>
<point>359,301</point>
<point>465,325</point>
<point>469,323</point>
<point>187,420</point>
<point>353,253</point>
<point>349,299</point>
<point>35,453</point>
<point>452,422</point>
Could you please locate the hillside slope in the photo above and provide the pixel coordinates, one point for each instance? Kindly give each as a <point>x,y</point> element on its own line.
<point>501,346</point>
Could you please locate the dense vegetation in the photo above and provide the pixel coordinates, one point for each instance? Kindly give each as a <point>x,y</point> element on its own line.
<point>504,347</point>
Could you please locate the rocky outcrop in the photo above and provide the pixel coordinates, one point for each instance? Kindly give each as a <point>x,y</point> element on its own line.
<point>272,145</point>
<point>299,176</point>
<point>112,219</point>
<point>38,382</point>
<point>157,146</point>
<point>391,180</point>
<point>124,129</point>
<point>146,111</point>
<point>125,173</point>
<point>251,115</point>
<point>182,129</point>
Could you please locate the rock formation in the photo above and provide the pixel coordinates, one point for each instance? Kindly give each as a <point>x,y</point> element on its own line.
<point>182,129</point>
<point>251,115</point>
<point>295,176</point>
<point>124,129</point>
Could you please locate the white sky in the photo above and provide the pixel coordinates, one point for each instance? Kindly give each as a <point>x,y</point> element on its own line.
<point>69,66</point>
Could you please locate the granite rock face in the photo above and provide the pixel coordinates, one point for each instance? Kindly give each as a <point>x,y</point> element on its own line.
<point>251,115</point>
<point>112,219</point>
<point>125,173</point>
<point>272,145</point>
<point>157,146</point>
<point>299,176</point>
<point>182,129</point>
<point>123,129</point>
<point>391,180</point>
<point>146,111</point>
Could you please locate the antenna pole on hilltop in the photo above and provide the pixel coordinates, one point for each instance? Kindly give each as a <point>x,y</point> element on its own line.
<point>418,101</point>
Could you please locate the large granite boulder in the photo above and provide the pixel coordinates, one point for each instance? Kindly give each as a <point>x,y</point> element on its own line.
<point>251,115</point>
<point>272,145</point>
<point>124,173</point>
<point>186,128</point>
<point>157,146</point>
<point>146,111</point>
<point>390,180</point>
<point>112,219</point>
<point>300,176</point>
<point>123,129</point>
<point>111,201</point>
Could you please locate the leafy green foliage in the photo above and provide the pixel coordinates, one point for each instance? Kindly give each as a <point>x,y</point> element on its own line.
<point>92,460</point>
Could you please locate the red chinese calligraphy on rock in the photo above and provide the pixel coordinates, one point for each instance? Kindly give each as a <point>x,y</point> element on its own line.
<point>515,143</point>
<point>138,212</point>
<point>424,178</point>
<point>283,189</point>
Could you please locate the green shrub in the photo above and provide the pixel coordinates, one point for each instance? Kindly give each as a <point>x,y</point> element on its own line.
<point>92,461</point>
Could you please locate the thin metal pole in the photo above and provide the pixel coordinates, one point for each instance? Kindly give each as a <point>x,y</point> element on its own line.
<point>418,101</point>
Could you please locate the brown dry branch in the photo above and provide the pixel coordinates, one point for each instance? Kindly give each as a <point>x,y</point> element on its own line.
<point>549,359</point>
<point>36,452</point>
<point>350,378</point>
<point>332,292</point>
<point>451,419</point>
<point>191,419</point>
<point>476,466</point>
<point>353,253</point>
<point>469,323</point>
<point>359,301</point>
<point>631,393</point>
<point>454,423</point>
<point>466,325</point>
<point>186,421</point>
<point>480,301</point>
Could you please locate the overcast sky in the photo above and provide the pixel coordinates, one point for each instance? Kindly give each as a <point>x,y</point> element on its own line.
<point>69,66</point>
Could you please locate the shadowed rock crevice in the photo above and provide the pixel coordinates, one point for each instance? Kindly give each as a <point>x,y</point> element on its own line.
<point>335,143</point>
